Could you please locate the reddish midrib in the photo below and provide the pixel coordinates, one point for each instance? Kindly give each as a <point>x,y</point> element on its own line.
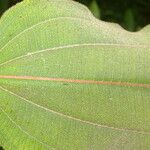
<point>75,81</point>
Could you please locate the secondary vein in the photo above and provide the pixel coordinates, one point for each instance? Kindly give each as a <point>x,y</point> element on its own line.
<point>73,118</point>
<point>63,47</point>
<point>56,18</point>
<point>20,128</point>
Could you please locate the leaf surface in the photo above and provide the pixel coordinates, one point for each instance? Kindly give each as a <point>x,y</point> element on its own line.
<point>71,82</point>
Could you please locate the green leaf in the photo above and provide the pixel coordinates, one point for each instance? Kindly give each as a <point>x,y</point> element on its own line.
<point>71,82</point>
<point>95,9</point>
<point>129,20</point>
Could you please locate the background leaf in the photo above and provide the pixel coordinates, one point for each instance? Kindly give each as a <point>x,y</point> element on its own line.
<point>69,81</point>
<point>129,19</point>
<point>95,9</point>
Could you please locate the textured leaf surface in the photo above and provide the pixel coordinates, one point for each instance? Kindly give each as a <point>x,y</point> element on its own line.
<point>71,82</point>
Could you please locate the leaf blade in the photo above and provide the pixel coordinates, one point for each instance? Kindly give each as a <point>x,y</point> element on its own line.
<point>68,114</point>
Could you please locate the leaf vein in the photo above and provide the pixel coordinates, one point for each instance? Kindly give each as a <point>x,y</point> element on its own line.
<point>80,81</point>
<point>74,118</point>
<point>35,25</point>
<point>59,18</point>
<point>63,47</point>
<point>20,128</point>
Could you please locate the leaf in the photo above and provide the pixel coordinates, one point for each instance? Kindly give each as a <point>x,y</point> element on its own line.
<point>129,19</point>
<point>95,8</point>
<point>71,82</point>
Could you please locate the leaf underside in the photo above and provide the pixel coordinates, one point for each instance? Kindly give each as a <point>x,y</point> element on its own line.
<point>71,82</point>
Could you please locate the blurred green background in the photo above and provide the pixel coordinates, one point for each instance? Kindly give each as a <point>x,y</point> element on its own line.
<point>130,14</point>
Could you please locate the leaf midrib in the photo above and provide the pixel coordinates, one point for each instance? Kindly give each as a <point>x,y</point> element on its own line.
<point>78,81</point>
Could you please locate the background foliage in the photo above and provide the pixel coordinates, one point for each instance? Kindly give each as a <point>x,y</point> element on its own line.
<point>130,14</point>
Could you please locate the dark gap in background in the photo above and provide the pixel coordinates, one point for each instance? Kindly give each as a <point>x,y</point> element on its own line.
<point>130,14</point>
<point>1,148</point>
<point>5,4</point>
